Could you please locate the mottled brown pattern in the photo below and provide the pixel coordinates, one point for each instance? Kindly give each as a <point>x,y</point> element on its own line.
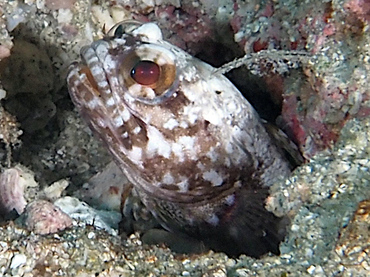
<point>177,103</point>
<point>201,161</point>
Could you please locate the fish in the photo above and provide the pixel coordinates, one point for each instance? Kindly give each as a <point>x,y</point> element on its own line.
<point>195,150</point>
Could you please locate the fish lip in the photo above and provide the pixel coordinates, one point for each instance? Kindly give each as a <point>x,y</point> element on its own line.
<point>75,71</point>
<point>86,69</point>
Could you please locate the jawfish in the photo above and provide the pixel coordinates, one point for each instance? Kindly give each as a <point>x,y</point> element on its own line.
<point>193,147</point>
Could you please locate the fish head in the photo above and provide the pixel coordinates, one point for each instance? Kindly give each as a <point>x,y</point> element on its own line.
<point>167,120</point>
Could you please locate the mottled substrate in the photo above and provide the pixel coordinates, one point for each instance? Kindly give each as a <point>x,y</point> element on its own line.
<point>323,193</point>
<point>323,196</point>
<point>333,87</point>
<point>47,39</point>
<point>84,251</point>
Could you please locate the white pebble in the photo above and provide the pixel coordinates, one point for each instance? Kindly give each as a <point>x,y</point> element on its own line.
<point>91,235</point>
<point>2,94</point>
<point>18,260</point>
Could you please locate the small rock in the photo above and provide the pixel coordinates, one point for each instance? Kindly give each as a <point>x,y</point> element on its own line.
<point>18,260</point>
<point>43,217</point>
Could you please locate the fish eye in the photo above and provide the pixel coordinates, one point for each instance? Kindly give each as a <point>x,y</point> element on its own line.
<point>145,73</point>
<point>149,73</point>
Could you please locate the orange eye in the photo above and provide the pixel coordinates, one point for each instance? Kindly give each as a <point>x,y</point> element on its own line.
<point>145,73</point>
<point>148,73</point>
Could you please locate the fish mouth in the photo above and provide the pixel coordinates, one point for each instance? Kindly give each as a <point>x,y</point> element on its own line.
<point>82,86</point>
<point>84,69</point>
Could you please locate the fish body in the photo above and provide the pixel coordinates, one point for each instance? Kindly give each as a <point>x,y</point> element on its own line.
<point>192,146</point>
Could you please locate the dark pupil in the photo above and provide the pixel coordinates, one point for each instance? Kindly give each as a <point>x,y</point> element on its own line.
<point>145,73</point>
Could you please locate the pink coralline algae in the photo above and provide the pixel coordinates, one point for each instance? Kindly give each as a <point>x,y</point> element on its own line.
<point>185,27</point>
<point>11,192</point>
<point>313,115</point>
<point>265,25</point>
<point>361,8</point>
<point>188,24</point>
<point>330,89</point>
<point>4,52</point>
<point>43,217</point>
<point>333,88</point>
